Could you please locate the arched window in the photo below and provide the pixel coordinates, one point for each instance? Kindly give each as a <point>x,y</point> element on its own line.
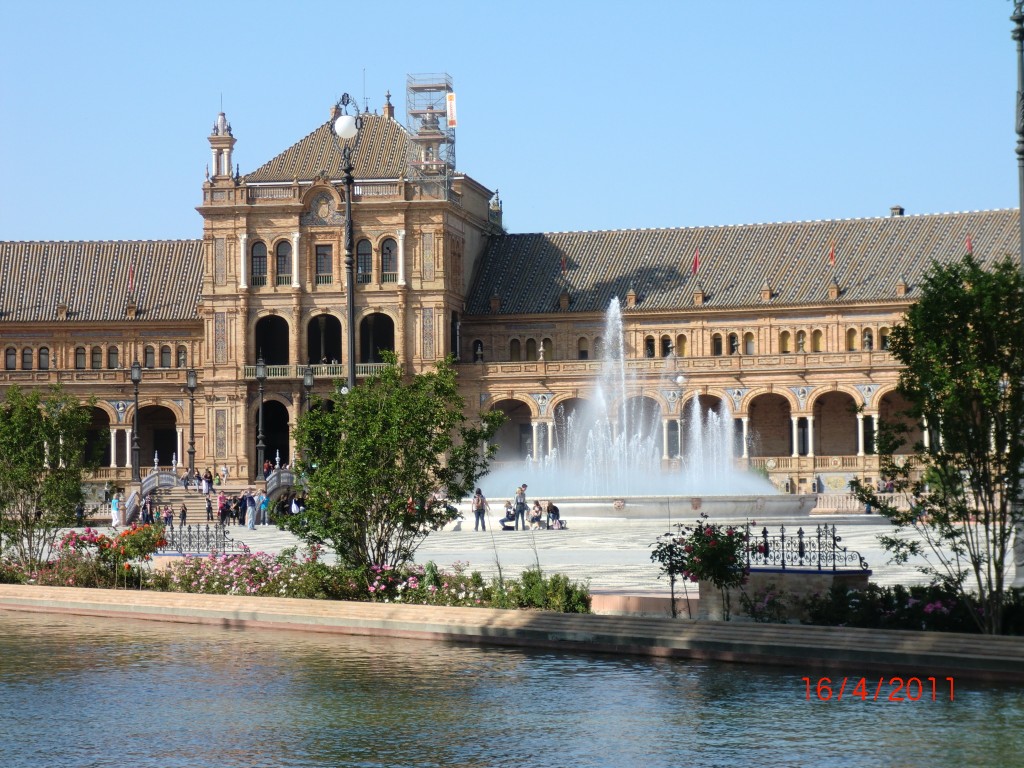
<point>149,357</point>
<point>364,261</point>
<point>283,265</point>
<point>165,357</point>
<point>681,345</point>
<point>112,357</point>
<point>648,346</point>
<point>26,359</point>
<point>734,344</point>
<point>666,346</point>
<point>716,345</point>
<point>801,341</point>
<point>784,338</point>
<point>582,348</point>
<point>883,338</point>
<point>748,343</point>
<point>96,358</point>
<point>259,264</point>
<point>531,349</point>
<point>851,340</point>
<point>44,358</point>
<point>10,358</point>
<point>182,358</point>
<point>514,351</point>
<point>80,358</point>
<point>389,261</point>
<point>598,348</point>
<point>816,337</point>
<point>869,340</point>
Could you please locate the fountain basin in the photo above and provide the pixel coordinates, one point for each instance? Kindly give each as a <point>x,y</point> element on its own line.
<point>680,508</point>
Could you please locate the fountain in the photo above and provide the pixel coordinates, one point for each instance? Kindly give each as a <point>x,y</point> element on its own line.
<point>608,453</point>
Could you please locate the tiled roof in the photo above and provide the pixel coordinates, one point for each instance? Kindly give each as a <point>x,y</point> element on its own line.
<point>380,153</point>
<point>872,255</point>
<point>91,278</point>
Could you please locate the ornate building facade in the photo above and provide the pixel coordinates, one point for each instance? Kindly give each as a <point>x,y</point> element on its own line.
<point>791,341</point>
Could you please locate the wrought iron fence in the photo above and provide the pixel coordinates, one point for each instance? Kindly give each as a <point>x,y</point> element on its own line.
<point>199,540</point>
<point>820,549</point>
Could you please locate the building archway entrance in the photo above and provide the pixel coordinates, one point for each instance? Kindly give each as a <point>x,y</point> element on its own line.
<point>323,340</point>
<point>770,430</point>
<point>97,438</point>
<point>158,436</point>
<point>376,334</point>
<point>275,434</point>
<point>515,437</point>
<point>272,340</point>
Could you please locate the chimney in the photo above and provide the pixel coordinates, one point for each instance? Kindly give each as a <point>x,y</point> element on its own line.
<point>389,108</point>
<point>335,112</point>
<point>630,298</point>
<point>896,210</point>
<point>495,304</point>
<point>834,290</point>
<point>563,299</point>
<point>62,310</point>
<point>766,291</point>
<point>698,294</point>
<point>902,288</point>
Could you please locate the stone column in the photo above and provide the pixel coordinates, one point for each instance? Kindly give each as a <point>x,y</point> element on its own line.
<point>243,279</point>
<point>181,449</point>
<point>925,435</point>
<point>551,437</point>
<point>874,429</point>
<point>401,256</point>
<point>664,439</point>
<point>295,259</point>
<point>113,447</point>
<point>860,434</point>
<point>745,421</point>
<point>796,436</point>
<point>534,425</point>
<point>128,448</point>
<point>810,435</point>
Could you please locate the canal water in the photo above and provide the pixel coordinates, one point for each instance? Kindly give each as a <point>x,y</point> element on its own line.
<point>77,691</point>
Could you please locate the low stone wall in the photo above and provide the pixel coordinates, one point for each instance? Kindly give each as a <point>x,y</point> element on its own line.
<point>793,581</point>
<point>830,651</point>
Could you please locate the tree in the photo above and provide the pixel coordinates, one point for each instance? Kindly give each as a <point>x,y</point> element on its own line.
<point>42,457</point>
<point>962,345</point>
<point>383,463</point>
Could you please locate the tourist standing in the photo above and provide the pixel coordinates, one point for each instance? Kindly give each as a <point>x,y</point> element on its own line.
<point>224,473</point>
<point>480,507</point>
<point>182,514</point>
<point>520,506</point>
<point>115,511</point>
<point>209,509</point>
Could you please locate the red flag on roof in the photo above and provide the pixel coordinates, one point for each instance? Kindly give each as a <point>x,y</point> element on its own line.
<point>131,278</point>
<point>970,245</point>
<point>832,255</point>
<point>563,264</point>
<point>696,260</point>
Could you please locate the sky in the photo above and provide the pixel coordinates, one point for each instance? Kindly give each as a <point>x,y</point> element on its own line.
<point>584,115</point>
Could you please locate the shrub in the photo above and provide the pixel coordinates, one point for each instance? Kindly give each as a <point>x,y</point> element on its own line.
<point>766,606</point>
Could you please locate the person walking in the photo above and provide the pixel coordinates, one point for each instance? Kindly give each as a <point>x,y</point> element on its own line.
<point>480,508</point>
<point>521,506</point>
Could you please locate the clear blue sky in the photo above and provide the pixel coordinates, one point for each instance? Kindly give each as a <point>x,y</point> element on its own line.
<point>585,115</point>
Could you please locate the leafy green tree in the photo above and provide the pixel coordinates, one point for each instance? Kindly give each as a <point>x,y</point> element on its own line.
<point>383,462</point>
<point>962,345</point>
<point>42,458</point>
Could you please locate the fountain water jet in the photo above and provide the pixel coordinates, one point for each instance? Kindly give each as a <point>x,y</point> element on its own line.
<point>612,446</point>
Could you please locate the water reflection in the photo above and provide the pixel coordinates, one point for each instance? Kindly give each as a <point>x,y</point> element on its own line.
<point>79,691</point>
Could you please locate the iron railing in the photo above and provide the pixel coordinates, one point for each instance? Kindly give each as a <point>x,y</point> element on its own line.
<point>199,540</point>
<point>820,550</point>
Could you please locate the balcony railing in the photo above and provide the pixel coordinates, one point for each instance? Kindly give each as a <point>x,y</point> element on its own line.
<point>328,371</point>
<point>389,277</point>
<point>324,279</point>
<point>258,281</point>
<point>283,280</point>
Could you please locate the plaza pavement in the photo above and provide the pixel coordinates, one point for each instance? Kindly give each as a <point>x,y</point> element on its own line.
<point>613,554</point>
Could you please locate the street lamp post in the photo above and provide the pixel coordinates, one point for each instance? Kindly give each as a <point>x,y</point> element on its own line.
<point>261,377</point>
<point>1018,35</point>
<point>307,383</point>
<point>345,127</point>
<point>190,385</point>
<point>136,375</point>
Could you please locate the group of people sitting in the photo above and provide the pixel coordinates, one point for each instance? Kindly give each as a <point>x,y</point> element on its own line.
<point>538,517</point>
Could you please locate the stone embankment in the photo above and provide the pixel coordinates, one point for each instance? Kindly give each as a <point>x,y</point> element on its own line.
<point>811,651</point>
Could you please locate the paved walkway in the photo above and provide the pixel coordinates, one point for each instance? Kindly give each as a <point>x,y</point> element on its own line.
<point>613,554</point>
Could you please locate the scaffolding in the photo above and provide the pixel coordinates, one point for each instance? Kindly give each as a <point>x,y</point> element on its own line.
<point>430,121</point>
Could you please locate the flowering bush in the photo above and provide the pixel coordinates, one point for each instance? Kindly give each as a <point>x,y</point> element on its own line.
<point>93,559</point>
<point>767,606</point>
<point>706,551</point>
